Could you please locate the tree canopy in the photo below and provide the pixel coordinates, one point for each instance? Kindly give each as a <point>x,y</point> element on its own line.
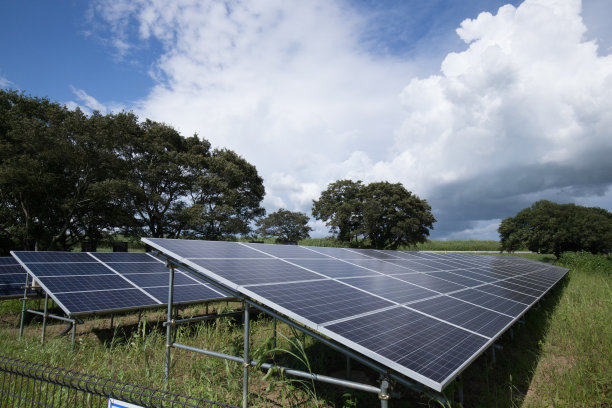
<point>66,177</point>
<point>548,227</point>
<point>285,226</point>
<point>380,215</point>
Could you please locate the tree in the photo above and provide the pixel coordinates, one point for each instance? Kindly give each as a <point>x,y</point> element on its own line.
<point>340,207</point>
<point>383,214</point>
<point>285,226</point>
<point>548,227</point>
<point>158,161</point>
<point>66,177</point>
<point>393,216</point>
<point>226,192</point>
<point>50,164</point>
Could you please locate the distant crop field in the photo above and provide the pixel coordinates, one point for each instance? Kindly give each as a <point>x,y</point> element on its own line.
<point>560,356</point>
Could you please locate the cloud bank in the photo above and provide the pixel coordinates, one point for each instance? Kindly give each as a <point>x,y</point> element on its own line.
<point>522,113</point>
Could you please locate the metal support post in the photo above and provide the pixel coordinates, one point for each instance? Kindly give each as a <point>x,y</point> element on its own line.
<point>169,326</point>
<point>383,395</point>
<point>44,326</point>
<point>246,361</point>
<point>274,333</point>
<point>74,324</point>
<point>460,391</point>
<point>348,368</point>
<point>493,347</point>
<point>23,306</point>
<point>112,321</point>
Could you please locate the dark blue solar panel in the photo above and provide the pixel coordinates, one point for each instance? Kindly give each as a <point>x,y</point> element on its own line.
<point>490,301</point>
<point>209,249</point>
<point>519,288</point>
<point>338,253</point>
<point>12,278</point>
<point>334,269</point>
<point>8,260</point>
<point>476,274</point>
<point>507,294</point>
<point>405,338</point>
<point>142,267</point>
<point>412,266</point>
<point>381,266</point>
<point>69,269</point>
<point>105,301</point>
<point>145,280</point>
<point>46,257</point>
<point>256,271</point>
<point>107,257</point>
<point>307,299</point>
<point>373,253</point>
<point>59,284</point>
<point>456,278</point>
<point>186,293</point>
<point>471,317</point>
<point>392,289</point>
<point>287,251</point>
<point>437,265</point>
<point>93,286</point>
<point>451,307</point>
<point>430,282</point>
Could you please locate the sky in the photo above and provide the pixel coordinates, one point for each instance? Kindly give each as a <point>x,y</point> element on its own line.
<point>481,107</point>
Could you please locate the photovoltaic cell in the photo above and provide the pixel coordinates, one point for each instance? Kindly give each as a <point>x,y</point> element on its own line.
<point>12,278</point>
<point>392,289</point>
<point>85,283</point>
<point>406,339</point>
<point>287,251</point>
<point>306,299</point>
<point>251,272</point>
<point>334,269</point>
<point>381,266</point>
<point>475,318</point>
<point>423,315</point>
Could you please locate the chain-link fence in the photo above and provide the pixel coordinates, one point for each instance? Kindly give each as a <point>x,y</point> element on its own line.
<point>27,384</point>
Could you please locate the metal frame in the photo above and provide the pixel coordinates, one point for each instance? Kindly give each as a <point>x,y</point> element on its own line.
<point>384,392</point>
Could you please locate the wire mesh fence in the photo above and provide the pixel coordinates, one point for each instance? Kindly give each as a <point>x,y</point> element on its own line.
<point>28,384</point>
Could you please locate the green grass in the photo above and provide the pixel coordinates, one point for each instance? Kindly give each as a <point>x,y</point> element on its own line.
<point>469,245</point>
<point>560,357</point>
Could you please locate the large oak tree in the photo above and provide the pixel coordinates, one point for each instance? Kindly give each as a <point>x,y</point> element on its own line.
<point>548,227</point>
<point>380,215</point>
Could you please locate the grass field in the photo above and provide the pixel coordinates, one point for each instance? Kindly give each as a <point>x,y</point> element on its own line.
<point>561,356</point>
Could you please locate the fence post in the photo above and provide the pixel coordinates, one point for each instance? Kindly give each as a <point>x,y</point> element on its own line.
<point>23,306</point>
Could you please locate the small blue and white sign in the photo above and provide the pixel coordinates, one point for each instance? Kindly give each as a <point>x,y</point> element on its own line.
<point>113,403</point>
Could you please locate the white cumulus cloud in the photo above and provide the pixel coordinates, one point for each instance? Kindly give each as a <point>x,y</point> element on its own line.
<point>523,112</point>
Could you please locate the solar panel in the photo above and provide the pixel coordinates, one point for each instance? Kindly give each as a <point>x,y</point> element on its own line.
<point>84,283</point>
<point>423,315</point>
<point>12,278</point>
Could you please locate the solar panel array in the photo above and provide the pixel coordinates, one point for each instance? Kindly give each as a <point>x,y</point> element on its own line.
<point>424,315</point>
<point>84,283</point>
<point>12,278</point>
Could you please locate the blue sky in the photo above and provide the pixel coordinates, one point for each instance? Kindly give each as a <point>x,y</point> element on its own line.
<point>479,106</point>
